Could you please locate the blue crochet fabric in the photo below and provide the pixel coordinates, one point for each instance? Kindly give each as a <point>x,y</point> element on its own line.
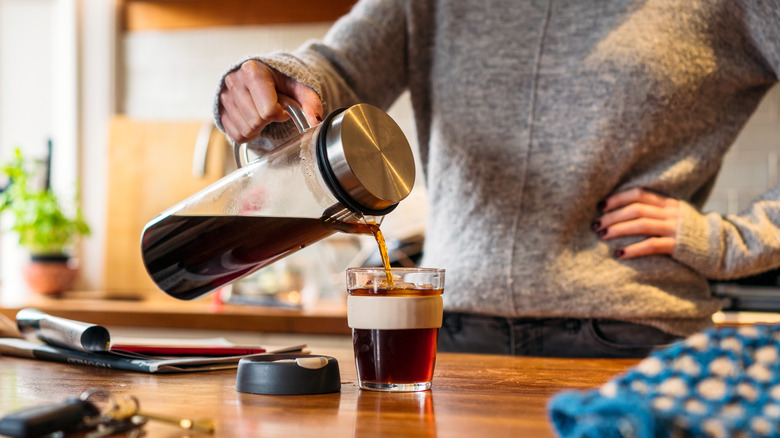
<point>722,382</point>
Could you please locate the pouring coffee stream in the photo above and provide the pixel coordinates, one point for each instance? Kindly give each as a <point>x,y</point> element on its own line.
<point>342,175</point>
<point>366,227</point>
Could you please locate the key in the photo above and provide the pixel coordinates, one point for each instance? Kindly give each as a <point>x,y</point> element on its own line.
<point>123,409</point>
<point>204,425</point>
<point>129,407</point>
<point>131,426</point>
<point>68,416</point>
<point>119,415</point>
<point>128,410</point>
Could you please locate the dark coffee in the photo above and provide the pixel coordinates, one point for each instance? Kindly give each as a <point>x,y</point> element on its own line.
<point>391,357</point>
<point>190,256</point>
<point>395,330</point>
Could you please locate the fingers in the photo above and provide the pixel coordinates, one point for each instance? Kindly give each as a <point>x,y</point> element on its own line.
<point>633,211</point>
<point>309,101</point>
<point>631,196</point>
<point>306,97</point>
<point>653,245</point>
<point>640,227</point>
<point>249,101</point>
<point>638,212</point>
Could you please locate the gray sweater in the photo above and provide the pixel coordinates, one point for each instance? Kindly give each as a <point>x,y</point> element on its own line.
<point>529,113</point>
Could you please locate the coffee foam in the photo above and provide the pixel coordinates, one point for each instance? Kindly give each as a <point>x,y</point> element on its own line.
<point>390,313</point>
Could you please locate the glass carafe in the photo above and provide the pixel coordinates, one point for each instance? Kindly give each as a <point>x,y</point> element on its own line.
<point>341,175</point>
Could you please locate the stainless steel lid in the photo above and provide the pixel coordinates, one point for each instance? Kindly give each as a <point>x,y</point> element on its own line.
<point>369,157</point>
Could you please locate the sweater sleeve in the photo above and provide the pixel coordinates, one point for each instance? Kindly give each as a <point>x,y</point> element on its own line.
<point>732,246</point>
<point>726,247</point>
<point>362,59</point>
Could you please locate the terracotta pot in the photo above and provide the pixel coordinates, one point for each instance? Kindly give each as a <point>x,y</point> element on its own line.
<point>49,275</point>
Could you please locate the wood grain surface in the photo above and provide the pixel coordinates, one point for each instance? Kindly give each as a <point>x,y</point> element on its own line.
<point>472,396</point>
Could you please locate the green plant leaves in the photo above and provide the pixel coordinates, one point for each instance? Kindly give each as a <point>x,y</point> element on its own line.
<point>38,217</point>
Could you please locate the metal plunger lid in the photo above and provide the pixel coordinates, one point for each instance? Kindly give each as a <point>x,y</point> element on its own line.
<point>364,151</point>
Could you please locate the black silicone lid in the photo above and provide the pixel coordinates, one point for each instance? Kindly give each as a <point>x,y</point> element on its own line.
<point>279,374</point>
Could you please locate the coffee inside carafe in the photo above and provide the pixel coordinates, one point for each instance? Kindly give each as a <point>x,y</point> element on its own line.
<point>189,256</point>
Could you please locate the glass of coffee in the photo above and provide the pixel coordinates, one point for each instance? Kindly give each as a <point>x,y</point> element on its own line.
<point>395,317</point>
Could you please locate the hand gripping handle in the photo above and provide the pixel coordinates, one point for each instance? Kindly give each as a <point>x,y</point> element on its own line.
<point>293,109</point>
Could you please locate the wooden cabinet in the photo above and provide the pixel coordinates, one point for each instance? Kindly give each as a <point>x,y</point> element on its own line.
<point>151,169</point>
<point>139,15</point>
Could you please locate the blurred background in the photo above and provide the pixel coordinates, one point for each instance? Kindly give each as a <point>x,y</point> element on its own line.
<point>123,90</point>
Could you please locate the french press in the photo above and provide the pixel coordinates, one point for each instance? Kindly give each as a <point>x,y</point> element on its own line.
<point>340,175</point>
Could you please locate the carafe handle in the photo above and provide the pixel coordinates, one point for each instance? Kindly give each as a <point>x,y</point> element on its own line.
<point>293,109</point>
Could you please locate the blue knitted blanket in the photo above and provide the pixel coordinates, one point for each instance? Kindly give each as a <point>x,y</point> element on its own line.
<point>722,382</point>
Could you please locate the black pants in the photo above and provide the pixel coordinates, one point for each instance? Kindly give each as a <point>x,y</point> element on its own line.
<point>549,337</point>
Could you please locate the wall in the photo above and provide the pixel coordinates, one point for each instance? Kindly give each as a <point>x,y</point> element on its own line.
<point>173,74</point>
<point>25,105</point>
<point>751,166</point>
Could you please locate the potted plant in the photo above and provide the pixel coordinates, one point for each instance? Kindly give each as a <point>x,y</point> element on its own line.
<point>44,228</point>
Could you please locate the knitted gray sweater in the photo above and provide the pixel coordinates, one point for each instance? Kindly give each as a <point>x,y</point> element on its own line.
<point>531,113</point>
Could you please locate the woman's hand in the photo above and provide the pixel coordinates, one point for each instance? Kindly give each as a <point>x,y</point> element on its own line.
<point>640,212</point>
<point>249,102</point>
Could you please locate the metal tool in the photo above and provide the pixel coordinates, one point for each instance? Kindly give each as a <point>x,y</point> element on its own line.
<point>204,425</point>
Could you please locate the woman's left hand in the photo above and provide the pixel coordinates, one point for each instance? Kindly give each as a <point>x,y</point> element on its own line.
<point>640,212</point>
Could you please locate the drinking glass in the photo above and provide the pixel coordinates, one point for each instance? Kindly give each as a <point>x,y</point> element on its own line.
<point>395,318</point>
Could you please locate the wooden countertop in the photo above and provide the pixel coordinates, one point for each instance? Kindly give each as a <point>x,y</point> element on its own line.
<point>472,395</point>
<point>162,311</point>
<point>205,313</point>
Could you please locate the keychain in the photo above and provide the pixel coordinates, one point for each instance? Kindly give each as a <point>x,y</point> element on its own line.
<point>96,411</point>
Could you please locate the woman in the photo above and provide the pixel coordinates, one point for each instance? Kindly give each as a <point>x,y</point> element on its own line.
<point>567,148</point>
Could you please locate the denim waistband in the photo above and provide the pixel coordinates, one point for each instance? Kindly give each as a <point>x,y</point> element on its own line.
<point>549,337</point>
